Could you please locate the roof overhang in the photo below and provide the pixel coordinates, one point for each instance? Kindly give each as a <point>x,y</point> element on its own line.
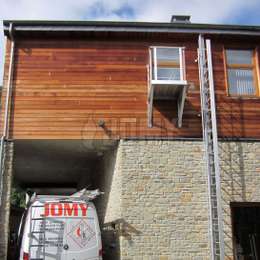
<point>135,27</point>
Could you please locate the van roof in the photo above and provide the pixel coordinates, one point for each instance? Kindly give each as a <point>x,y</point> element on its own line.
<point>68,199</point>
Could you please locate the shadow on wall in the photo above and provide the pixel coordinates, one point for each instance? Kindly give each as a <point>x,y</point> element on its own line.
<point>232,184</point>
<point>103,181</point>
<point>231,124</point>
<point>114,230</point>
<point>108,179</point>
<point>168,110</point>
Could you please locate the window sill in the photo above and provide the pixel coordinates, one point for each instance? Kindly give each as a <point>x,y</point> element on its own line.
<point>243,97</point>
<point>169,82</point>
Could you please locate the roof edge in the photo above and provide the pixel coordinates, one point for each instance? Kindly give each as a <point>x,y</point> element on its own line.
<point>113,26</point>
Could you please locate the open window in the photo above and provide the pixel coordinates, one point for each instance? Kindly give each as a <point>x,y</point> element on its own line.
<point>167,78</point>
<point>241,72</point>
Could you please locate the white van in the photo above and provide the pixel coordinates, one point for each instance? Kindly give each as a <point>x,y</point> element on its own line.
<point>60,228</point>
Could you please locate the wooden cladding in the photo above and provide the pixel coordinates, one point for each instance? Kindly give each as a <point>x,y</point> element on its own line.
<point>63,88</point>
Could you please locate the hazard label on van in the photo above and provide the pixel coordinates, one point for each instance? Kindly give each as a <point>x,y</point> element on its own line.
<point>65,209</point>
<point>81,233</point>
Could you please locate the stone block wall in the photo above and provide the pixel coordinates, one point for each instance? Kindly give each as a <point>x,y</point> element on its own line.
<point>164,200</point>
<point>162,197</point>
<point>240,180</point>
<point>155,205</point>
<point>5,203</point>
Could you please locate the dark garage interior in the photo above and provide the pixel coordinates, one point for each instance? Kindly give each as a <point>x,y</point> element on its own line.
<point>57,167</point>
<point>246,230</point>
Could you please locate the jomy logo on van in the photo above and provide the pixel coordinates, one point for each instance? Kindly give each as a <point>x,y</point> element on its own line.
<point>65,210</point>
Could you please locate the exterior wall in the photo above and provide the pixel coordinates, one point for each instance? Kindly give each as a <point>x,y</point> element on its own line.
<point>237,116</point>
<point>109,205</point>
<point>155,204</point>
<point>240,173</point>
<point>5,203</point>
<point>164,202</point>
<point>62,92</point>
<point>62,88</point>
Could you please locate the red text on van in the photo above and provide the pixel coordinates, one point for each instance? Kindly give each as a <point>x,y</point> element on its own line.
<point>65,209</point>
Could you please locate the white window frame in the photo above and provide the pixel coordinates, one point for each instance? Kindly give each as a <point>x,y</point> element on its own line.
<point>153,55</point>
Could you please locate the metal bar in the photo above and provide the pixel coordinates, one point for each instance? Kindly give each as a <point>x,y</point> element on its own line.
<point>7,108</point>
<point>151,94</point>
<point>210,137</point>
<point>180,105</point>
<point>201,60</point>
<point>150,107</point>
<point>30,234</point>
<point>215,146</point>
<point>169,82</point>
<point>150,89</point>
<point>44,235</point>
<point>155,63</point>
<point>9,85</point>
<point>150,76</point>
<point>181,64</point>
<point>165,46</point>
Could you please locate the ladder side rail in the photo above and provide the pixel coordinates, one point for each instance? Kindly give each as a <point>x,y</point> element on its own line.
<point>44,235</point>
<point>215,147</point>
<point>201,60</point>
<point>30,232</point>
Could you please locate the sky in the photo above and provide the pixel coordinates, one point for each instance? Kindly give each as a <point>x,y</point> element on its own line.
<point>201,11</point>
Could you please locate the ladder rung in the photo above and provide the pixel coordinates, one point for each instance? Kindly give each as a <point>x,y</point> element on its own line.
<point>38,218</point>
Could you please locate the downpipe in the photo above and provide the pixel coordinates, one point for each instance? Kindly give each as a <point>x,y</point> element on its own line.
<point>6,110</point>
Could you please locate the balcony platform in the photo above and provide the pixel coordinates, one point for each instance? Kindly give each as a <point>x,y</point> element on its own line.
<point>167,90</point>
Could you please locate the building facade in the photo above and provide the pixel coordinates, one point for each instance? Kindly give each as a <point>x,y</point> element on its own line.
<point>129,93</point>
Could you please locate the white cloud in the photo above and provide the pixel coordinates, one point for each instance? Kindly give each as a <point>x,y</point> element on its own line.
<point>205,11</point>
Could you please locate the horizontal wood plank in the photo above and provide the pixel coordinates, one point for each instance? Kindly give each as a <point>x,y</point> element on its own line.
<point>62,88</point>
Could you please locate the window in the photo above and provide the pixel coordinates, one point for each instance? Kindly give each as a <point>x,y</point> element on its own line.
<point>167,65</point>
<point>167,79</point>
<point>241,72</point>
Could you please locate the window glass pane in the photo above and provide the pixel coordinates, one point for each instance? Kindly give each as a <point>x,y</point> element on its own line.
<point>241,82</point>
<point>239,57</point>
<point>168,55</point>
<point>168,64</point>
<point>168,73</point>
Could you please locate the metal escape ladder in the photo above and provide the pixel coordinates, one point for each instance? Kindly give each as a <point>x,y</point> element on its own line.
<point>37,235</point>
<point>210,137</point>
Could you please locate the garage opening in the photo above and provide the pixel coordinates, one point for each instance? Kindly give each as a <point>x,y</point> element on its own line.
<point>60,167</point>
<point>246,230</point>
